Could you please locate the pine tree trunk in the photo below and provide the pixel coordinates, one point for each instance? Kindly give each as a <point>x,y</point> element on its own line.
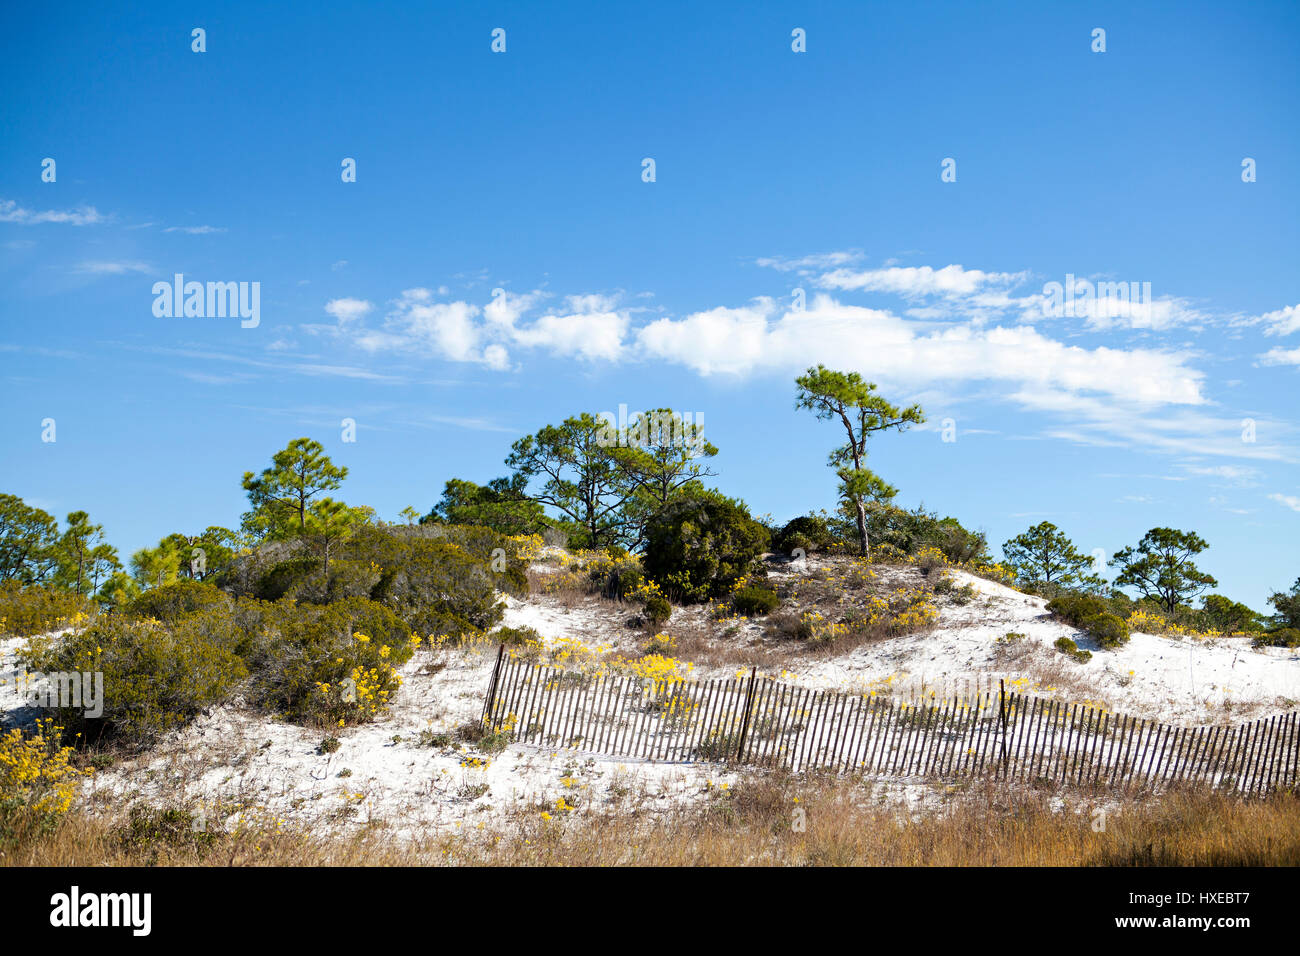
<point>862,527</point>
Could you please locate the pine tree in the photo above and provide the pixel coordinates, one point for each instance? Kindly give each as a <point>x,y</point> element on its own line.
<point>1044,558</point>
<point>281,495</point>
<point>845,397</point>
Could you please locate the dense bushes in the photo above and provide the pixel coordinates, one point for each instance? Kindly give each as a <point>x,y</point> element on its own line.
<point>1285,637</point>
<point>441,580</point>
<point>171,602</point>
<point>1093,615</point>
<point>698,546</point>
<point>657,610</point>
<point>30,610</point>
<point>914,531</point>
<point>155,677</point>
<point>1074,609</point>
<point>808,533</point>
<point>334,664</point>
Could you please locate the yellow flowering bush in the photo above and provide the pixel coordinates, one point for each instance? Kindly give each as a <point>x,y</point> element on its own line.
<point>31,610</point>
<point>526,547</point>
<point>334,665</point>
<point>37,780</point>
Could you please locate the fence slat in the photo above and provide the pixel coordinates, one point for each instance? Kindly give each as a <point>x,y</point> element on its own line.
<point>771,723</point>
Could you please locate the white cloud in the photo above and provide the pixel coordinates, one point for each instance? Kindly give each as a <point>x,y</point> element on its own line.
<point>348,310</point>
<point>920,281</point>
<point>588,335</point>
<point>880,344</point>
<point>194,230</point>
<point>806,264</point>
<point>1239,474</point>
<point>10,211</point>
<point>1107,312</point>
<point>112,268</point>
<point>1282,321</point>
<point>721,340</point>
<point>1291,501</point>
<point>593,328</point>
<point>1280,357</point>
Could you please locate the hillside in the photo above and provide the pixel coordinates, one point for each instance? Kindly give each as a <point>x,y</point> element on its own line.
<point>416,770</point>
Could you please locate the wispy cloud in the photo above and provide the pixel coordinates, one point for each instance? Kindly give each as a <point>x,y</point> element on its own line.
<point>112,267</point>
<point>195,230</point>
<point>10,211</point>
<point>1280,357</point>
<point>1282,321</point>
<point>1291,501</point>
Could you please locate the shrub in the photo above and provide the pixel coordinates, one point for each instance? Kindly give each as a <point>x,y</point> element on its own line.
<point>328,665</point>
<point>171,602</point>
<point>37,782</point>
<point>661,645</point>
<point>1108,630</point>
<point>34,609</point>
<point>150,830</point>
<point>1070,649</point>
<point>948,587</point>
<point>657,611</point>
<point>699,545</point>
<point>614,574</point>
<point>1286,637</point>
<point>809,532</point>
<point>930,559</point>
<point>157,678</point>
<point>1074,609</point>
<point>431,578</point>
<point>754,601</point>
<point>516,636</point>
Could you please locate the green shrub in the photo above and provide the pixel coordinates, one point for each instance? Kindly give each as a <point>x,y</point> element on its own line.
<point>152,831</point>
<point>334,664</point>
<point>155,678</point>
<point>657,611</point>
<point>1071,649</point>
<point>753,601</point>
<point>699,545</point>
<point>1108,630</point>
<point>1074,609</point>
<point>1286,637</point>
<point>516,636</point>
<point>35,609</point>
<point>432,578</point>
<point>808,532</point>
<point>615,574</point>
<point>171,602</point>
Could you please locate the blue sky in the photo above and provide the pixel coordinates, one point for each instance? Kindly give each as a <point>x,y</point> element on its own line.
<point>775,170</point>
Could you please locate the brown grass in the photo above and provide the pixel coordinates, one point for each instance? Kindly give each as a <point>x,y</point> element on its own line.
<point>755,823</point>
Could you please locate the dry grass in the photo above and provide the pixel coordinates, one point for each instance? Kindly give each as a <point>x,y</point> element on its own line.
<point>757,822</point>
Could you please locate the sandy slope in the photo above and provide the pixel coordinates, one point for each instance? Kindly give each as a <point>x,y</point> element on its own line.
<point>232,760</point>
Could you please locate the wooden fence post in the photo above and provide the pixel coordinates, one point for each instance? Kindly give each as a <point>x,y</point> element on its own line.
<point>492,687</point>
<point>744,724</point>
<point>1002,710</point>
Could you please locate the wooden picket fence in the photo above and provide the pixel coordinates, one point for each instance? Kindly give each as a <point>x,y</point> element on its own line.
<point>764,722</point>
